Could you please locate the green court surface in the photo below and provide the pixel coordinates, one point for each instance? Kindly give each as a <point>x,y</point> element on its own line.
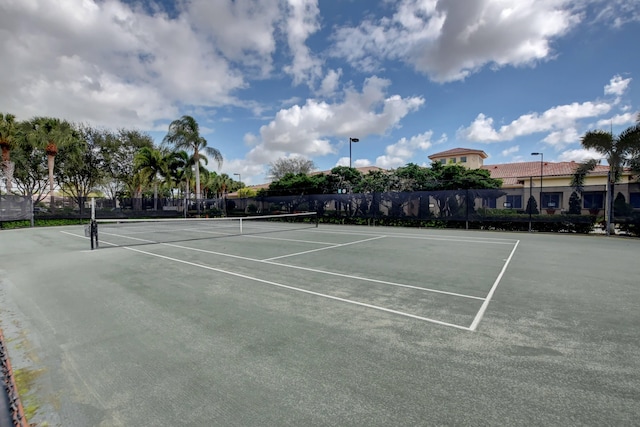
<point>334,325</point>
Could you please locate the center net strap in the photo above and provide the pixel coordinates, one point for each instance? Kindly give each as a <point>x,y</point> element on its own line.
<point>129,232</point>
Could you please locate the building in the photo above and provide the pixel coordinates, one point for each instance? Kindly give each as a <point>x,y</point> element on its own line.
<point>467,157</point>
<point>548,182</point>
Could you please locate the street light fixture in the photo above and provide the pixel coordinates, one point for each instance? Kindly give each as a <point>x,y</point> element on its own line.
<point>541,173</point>
<point>350,141</point>
<point>239,177</point>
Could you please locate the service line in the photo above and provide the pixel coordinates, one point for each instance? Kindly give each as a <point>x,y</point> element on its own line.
<point>293,288</point>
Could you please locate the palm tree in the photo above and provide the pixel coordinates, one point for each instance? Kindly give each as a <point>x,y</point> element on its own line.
<point>152,163</point>
<point>184,134</point>
<point>52,134</point>
<point>222,183</point>
<point>616,149</point>
<point>8,139</point>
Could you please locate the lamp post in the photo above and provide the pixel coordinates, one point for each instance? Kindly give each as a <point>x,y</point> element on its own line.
<point>541,173</point>
<point>239,177</point>
<point>350,141</point>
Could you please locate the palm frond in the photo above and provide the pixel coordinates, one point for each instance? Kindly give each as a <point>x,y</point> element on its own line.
<point>600,141</point>
<point>581,172</point>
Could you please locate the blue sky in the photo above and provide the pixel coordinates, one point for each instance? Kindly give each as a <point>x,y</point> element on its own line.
<point>268,79</point>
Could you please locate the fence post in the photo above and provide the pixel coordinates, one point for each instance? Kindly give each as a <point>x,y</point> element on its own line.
<point>467,210</point>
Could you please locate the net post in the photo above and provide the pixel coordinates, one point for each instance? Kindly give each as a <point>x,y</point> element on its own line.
<point>93,225</point>
<point>240,225</point>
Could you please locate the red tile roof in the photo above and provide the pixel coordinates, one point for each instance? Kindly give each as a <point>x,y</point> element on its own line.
<point>458,152</point>
<point>510,172</point>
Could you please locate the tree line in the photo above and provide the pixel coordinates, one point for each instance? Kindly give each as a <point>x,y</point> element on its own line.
<point>43,153</point>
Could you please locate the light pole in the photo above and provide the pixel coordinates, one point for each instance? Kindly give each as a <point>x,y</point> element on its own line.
<point>541,173</point>
<point>350,141</point>
<point>239,177</point>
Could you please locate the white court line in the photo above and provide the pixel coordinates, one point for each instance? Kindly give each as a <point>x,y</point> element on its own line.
<point>487,300</point>
<point>253,236</point>
<point>488,240</point>
<point>73,234</point>
<point>330,273</point>
<point>324,249</point>
<point>295,267</point>
<point>292,288</point>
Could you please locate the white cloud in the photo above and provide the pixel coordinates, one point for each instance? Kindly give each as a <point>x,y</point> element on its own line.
<point>511,150</point>
<point>559,120</point>
<point>243,30</point>
<point>356,163</point>
<point>302,21</point>
<point>450,39</point>
<point>107,64</point>
<point>617,86</point>
<point>562,138</point>
<point>400,153</point>
<point>614,12</point>
<point>307,129</point>
<point>330,83</point>
<point>360,163</point>
<point>248,171</point>
<point>578,155</point>
<point>618,120</point>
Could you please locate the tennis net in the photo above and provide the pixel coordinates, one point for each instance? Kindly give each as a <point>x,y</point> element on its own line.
<point>130,232</point>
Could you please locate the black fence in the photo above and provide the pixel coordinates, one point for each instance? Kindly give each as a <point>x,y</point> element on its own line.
<point>15,208</point>
<point>524,208</point>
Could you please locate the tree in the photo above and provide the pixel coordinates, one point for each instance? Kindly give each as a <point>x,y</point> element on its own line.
<point>8,138</point>
<point>532,206</point>
<point>575,204</point>
<point>119,152</point>
<point>30,162</point>
<point>294,165</point>
<point>456,187</point>
<point>294,189</point>
<point>80,167</point>
<point>179,167</point>
<point>222,183</point>
<point>184,134</point>
<point>617,149</point>
<point>152,163</point>
<point>621,207</point>
<point>52,134</point>
<point>246,192</point>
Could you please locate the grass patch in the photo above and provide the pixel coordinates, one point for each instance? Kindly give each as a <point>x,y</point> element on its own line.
<point>9,225</point>
<point>25,382</point>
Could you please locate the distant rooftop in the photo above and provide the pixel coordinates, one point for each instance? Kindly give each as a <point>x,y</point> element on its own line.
<point>458,152</point>
<point>510,172</point>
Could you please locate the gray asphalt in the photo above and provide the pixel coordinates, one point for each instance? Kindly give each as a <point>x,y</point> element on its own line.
<point>122,337</point>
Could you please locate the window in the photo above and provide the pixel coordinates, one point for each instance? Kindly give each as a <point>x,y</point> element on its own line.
<point>551,200</point>
<point>634,200</point>
<point>463,159</point>
<point>489,202</point>
<point>593,200</point>
<point>514,202</point>
<point>443,161</point>
<point>452,160</point>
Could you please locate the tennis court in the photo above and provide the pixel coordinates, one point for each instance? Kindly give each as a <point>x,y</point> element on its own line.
<point>328,325</point>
